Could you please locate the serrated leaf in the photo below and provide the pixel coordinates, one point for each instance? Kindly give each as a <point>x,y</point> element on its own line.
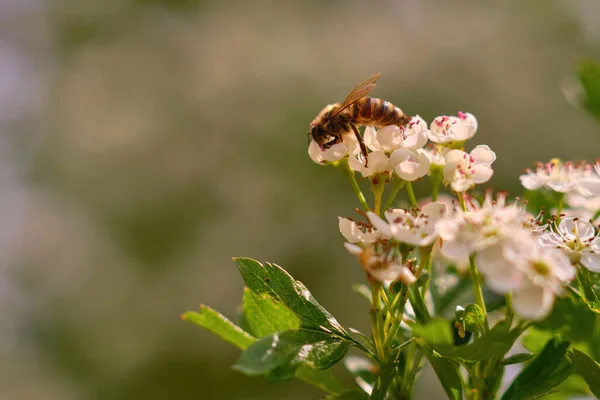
<point>546,371</point>
<point>289,349</point>
<point>272,280</point>
<point>588,369</point>
<point>517,358</point>
<point>213,321</point>
<point>352,394</point>
<point>216,323</point>
<point>264,316</point>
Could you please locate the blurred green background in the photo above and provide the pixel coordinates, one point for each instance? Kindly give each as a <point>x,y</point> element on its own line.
<point>146,142</point>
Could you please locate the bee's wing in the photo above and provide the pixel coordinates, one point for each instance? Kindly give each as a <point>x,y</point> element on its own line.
<point>359,91</point>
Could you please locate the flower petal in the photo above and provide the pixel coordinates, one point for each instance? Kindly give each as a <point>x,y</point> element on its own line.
<point>591,261</point>
<point>533,302</point>
<point>379,224</point>
<point>481,173</point>
<point>483,154</point>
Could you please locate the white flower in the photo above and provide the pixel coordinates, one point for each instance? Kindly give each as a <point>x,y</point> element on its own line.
<point>406,228</point>
<point>591,203</point>
<point>466,232</point>
<point>409,165</point>
<point>435,155</point>
<point>534,274</point>
<point>447,129</point>
<point>563,178</point>
<point>463,171</point>
<point>392,137</point>
<point>321,155</point>
<point>378,162</point>
<point>355,233</point>
<point>578,238</point>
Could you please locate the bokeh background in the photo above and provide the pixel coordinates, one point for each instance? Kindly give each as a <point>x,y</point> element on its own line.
<point>143,143</point>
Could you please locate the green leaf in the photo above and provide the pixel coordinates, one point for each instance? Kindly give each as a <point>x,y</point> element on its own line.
<point>493,344</point>
<point>264,316</point>
<point>587,292</point>
<point>547,370</point>
<point>588,369</point>
<point>448,374</point>
<point>353,394</point>
<point>420,308</point>
<point>272,280</point>
<point>436,332</point>
<point>588,73</point>
<point>211,320</point>
<point>517,358</point>
<point>287,350</point>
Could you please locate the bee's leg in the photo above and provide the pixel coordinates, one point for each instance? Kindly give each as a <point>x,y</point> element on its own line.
<point>363,148</point>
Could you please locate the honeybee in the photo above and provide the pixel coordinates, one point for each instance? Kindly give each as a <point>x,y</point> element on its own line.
<point>336,120</point>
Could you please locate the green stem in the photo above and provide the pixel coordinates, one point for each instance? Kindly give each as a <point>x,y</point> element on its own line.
<point>509,309</point>
<point>396,186</point>
<point>426,261</point>
<point>397,318</point>
<point>376,320</point>
<point>411,195</point>
<point>436,177</point>
<point>461,200</point>
<point>351,175</point>
<point>477,291</point>
<point>560,205</point>
<point>377,187</point>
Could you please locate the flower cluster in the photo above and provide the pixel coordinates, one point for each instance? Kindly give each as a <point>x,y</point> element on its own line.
<point>509,253</point>
<point>516,253</point>
<point>383,246</point>
<point>401,150</point>
<point>578,182</point>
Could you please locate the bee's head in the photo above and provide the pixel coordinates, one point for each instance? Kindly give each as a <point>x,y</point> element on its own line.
<point>318,134</point>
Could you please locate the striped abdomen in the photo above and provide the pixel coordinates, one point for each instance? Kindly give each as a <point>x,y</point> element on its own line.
<point>377,112</point>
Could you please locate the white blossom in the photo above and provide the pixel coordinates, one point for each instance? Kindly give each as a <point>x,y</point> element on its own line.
<point>534,274</point>
<point>463,171</point>
<point>391,137</point>
<point>466,232</point>
<point>563,178</point>
<point>404,227</point>
<point>435,155</point>
<point>578,238</point>
<point>409,165</point>
<point>378,162</point>
<point>321,155</point>
<point>446,129</point>
<point>355,233</point>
